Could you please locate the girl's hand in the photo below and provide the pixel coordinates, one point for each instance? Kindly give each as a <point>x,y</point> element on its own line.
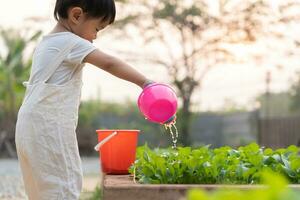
<point>147,83</point>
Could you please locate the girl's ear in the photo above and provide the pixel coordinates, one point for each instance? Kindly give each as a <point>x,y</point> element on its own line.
<point>75,14</point>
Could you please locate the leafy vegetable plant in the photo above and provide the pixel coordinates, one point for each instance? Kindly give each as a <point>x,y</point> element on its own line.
<point>223,165</point>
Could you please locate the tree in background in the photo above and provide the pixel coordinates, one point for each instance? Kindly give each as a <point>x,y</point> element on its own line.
<point>14,69</point>
<point>194,36</point>
<point>295,95</point>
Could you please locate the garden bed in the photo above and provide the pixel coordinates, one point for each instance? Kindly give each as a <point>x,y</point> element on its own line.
<point>170,173</point>
<point>122,187</point>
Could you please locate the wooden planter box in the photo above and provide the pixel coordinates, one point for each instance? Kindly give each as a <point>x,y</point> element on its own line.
<point>122,187</point>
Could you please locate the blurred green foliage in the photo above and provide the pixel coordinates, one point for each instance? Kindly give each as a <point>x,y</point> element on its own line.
<point>276,189</point>
<point>97,194</point>
<point>14,69</point>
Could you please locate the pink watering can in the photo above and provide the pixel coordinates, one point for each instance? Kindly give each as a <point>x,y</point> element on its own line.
<point>158,103</point>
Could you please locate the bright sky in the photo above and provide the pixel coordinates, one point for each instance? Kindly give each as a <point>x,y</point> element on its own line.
<point>239,83</point>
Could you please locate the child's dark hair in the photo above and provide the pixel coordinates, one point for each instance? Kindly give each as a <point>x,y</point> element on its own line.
<point>104,9</point>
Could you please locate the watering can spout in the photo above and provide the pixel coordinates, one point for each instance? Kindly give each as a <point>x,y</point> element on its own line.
<point>170,120</point>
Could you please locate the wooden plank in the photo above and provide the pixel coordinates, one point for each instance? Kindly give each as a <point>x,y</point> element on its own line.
<point>123,187</point>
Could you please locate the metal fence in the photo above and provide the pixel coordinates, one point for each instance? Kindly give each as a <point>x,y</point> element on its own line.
<point>232,129</point>
<point>279,132</point>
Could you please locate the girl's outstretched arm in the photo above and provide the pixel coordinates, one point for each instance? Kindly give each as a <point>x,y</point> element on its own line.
<point>116,67</point>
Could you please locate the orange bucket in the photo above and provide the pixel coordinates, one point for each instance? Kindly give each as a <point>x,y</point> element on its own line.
<point>118,153</point>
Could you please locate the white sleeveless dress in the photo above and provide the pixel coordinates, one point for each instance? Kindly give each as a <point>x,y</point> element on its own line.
<point>45,134</point>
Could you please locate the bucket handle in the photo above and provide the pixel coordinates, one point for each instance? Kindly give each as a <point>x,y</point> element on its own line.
<point>97,147</point>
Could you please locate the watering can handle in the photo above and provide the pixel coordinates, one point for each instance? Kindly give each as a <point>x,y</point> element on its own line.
<point>97,147</point>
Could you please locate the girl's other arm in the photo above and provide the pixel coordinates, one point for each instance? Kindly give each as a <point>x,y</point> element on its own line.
<point>115,67</point>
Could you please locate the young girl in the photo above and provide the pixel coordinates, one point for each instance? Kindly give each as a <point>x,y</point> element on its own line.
<point>45,131</point>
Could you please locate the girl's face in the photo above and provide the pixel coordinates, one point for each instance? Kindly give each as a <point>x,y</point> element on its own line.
<point>84,26</point>
<point>89,27</point>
